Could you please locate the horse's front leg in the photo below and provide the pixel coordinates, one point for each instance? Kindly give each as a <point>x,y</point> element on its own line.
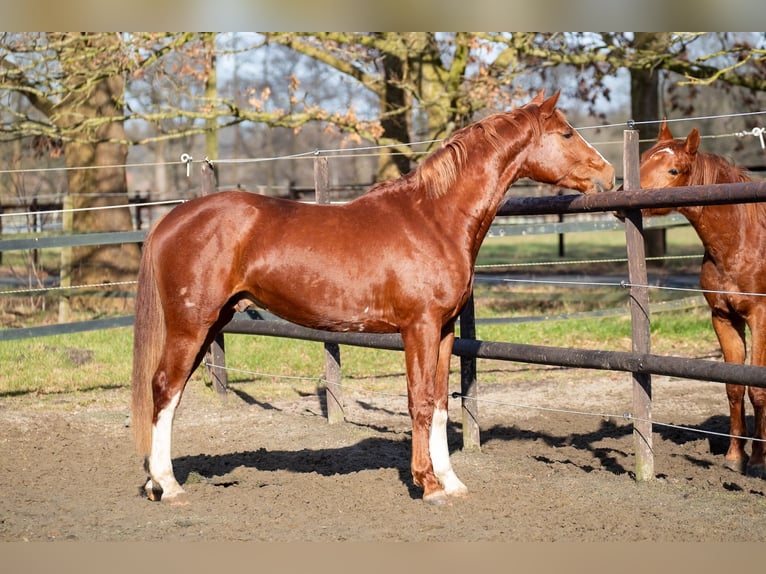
<point>757,464</point>
<point>438,441</point>
<point>730,331</point>
<point>421,351</point>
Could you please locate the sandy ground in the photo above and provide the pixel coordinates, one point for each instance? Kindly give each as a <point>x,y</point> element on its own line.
<point>277,471</point>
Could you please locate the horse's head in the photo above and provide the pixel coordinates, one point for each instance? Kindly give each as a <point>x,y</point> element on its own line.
<point>668,163</point>
<point>561,156</point>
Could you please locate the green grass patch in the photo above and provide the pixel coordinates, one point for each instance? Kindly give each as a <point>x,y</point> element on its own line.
<point>273,368</point>
<point>541,252</point>
<point>64,363</point>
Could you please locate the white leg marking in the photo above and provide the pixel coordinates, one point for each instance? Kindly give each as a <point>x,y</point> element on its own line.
<point>437,444</point>
<point>160,465</point>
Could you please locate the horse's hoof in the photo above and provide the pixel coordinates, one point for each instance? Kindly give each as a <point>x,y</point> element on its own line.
<point>459,492</point>
<point>436,498</point>
<point>152,493</point>
<point>756,470</point>
<point>738,465</point>
<point>179,499</point>
<point>453,486</point>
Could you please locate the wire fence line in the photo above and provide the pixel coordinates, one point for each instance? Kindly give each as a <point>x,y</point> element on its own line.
<point>361,151</point>
<point>359,388</point>
<point>187,159</point>
<point>622,284</point>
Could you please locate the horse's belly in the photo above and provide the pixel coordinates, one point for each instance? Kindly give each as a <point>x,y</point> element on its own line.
<point>362,321</point>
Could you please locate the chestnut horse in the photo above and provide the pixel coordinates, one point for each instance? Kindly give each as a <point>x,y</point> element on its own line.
<point>733,272</point>
<point>399,258</point>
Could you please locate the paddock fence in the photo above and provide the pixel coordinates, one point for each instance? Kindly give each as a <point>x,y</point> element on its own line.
<point>640,362</point>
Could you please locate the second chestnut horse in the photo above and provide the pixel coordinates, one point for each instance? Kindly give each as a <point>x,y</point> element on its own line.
<point>733,273</point>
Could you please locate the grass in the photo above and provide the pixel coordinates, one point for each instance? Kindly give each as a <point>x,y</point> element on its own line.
<point>270,368</point>
<point>57,364</point>
<point>528,251</point>
<point>273,368</point>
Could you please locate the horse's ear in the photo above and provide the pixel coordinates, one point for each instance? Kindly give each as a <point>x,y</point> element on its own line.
<point>538,99</point>
<point>692,141</point>
<point>664,134</point>
<point>547,107</point>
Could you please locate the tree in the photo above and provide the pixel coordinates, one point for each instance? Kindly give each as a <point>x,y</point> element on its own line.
<point>430,83</point>
<point>76,82</point>
<point>420,79</point>
<point>645,106</point>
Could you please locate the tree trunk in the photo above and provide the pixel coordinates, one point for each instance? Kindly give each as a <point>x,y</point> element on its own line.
<point>103,186</point>
<point>393,119</point>
<point>645,106</point>
<point>211,95</point>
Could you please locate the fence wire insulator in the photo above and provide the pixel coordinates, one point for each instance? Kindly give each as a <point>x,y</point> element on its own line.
<point>756,132</point>
<point>187,159</point>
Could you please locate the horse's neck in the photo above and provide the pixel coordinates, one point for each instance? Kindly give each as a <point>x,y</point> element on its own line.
<point>719,227</point>
<point>712,223</point>
<point>482,203</point>
<point>487,200</point>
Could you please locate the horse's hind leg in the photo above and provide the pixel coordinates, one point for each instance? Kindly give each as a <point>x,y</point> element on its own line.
<point>438,446</point>
<point>162,483</point>
<point>167,386</point>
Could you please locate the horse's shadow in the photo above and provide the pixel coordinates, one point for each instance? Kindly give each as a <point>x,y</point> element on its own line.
<point>367,454</point>
<point>382,452</point>
<point>608,457</point>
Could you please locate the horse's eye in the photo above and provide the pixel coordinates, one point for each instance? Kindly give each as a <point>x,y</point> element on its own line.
<point>673,171</point>
<point>567,135</point>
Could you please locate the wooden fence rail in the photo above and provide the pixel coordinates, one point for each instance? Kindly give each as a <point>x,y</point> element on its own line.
<point>699,369</point>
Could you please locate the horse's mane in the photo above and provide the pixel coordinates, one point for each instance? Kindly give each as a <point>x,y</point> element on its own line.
<point>709,168</point>
<point>440,170</point>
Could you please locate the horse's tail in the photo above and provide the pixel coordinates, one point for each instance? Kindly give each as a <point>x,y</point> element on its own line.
<point>148,344</point>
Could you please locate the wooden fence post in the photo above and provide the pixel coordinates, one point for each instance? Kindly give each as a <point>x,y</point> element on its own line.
<point>639,313</point>
<point>65,269</point>
<point>333,388</point>
<point>468,383</point>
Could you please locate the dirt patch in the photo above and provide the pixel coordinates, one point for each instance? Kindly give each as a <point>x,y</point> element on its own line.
<point>277,471</point>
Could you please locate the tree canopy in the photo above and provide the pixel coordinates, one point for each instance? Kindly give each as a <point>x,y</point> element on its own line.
<point>87,98</point>
<point>433,81</point>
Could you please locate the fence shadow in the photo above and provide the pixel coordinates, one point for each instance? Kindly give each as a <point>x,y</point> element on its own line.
<point>608,457</point>
<point>394,453</point>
